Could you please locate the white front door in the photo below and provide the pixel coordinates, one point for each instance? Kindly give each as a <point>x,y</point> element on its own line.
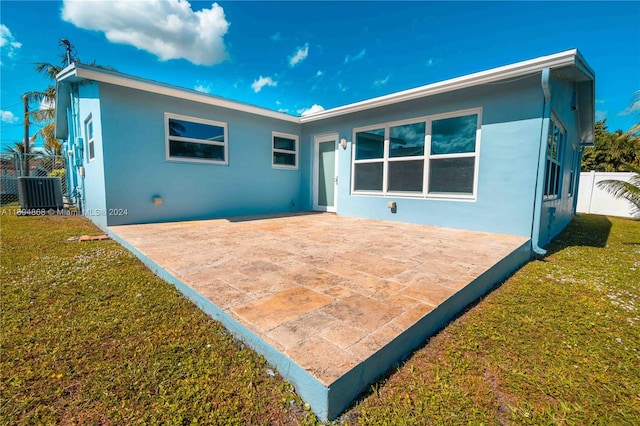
<point>325,172</point>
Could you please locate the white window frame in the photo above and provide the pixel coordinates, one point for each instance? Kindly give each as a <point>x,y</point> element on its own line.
<point>426,157</point>
<point>284,151</point>
<point>225,144</point>
<point>89,136</point>
<point>553,123</point>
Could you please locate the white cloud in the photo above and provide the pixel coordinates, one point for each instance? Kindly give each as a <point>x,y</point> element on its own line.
<point>601,115</point>
<point>258,84</point>
<point>276,37</point>
<point>8,117</point>
<point>8,42</point>
<point>355,57</point>
<point>630,109</point>
<point>342,87</point>
<point>169,29</point>
<point>382,81</point>
<point>203,86</point>
<point>319,73</point>
<point>600,101</point>
<point>312,110</point>
<point>300,55</point>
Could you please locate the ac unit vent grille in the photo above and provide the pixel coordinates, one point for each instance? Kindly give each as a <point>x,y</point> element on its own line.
<point>40,193</point>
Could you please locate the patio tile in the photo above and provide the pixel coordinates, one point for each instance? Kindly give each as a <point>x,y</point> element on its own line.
<point>258,267</point>
<point>343,335</point>
<point>431,294</point>
<point>272,311</point>
<point>326,361</point>
<point>409,318</point>
<point>374,287</point>
<point>297,330</point>
<point>367,313</point>
<point>326,291</point>
<point>338,292</point>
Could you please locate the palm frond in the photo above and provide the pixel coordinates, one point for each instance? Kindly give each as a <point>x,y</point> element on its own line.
<point>40,115</point>
<point>626,190</point>
<point>48,69</point>
<point>621,189</point>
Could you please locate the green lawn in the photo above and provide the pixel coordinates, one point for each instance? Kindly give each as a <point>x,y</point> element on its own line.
<point>90,336</point>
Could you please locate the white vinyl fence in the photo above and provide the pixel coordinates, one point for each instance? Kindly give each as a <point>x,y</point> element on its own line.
<point>592,199</point>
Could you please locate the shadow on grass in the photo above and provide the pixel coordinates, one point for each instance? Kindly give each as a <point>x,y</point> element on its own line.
<point>585,231</point>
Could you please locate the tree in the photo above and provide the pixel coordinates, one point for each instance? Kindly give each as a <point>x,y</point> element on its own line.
<point>46,99</point>
<point>17,148</point>
<point>611,151</point>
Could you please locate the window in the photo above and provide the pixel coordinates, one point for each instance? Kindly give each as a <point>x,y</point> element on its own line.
<point>195,139</point>
<point>453,155</point>
<point>429,157</point>
<point>88,130</point>
<point>284,150</point>
<point>553,168</point>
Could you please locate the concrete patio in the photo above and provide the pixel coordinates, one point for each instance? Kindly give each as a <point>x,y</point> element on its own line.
<point>332,301</point>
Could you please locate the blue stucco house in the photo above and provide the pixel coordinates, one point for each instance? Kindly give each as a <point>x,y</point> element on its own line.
<point>496,151</point>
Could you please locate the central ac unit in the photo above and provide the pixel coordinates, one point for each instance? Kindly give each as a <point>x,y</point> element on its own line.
<point>40,193</point>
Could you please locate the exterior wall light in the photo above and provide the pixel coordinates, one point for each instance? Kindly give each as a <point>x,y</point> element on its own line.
<point>343,143</point>
<point>157,200</point>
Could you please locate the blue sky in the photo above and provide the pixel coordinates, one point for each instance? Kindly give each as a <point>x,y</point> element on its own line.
<point>293,56</point>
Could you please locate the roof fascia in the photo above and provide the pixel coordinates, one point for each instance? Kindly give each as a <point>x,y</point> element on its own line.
<point>103,76</point>
<point>505,72</point>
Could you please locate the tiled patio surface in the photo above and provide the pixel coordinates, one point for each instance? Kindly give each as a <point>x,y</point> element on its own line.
<point>327,291</point>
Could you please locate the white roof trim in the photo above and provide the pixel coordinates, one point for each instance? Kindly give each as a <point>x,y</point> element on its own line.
<point>111,77</point>
<point>569,57</point>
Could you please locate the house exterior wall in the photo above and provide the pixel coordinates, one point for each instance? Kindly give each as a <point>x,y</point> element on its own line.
<point>557,213</point>
<point>136,167</point>
<point>509,143</point>
<point>87,177</point>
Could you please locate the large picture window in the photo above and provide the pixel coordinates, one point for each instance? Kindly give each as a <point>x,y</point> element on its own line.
<point>553,167</point>
<point>284,150</point>
<point>430,156</point>
<point>195,139</point>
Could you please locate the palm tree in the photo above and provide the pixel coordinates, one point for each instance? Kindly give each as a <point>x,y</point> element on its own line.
<point>46,99</point>
<point>626,190</point>
<point>17,148</point>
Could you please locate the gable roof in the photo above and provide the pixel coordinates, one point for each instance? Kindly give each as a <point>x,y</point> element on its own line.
<point>570,64</point>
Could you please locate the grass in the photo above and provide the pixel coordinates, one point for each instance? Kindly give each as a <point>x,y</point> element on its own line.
<point>90,336</point>
<point>557,343</point>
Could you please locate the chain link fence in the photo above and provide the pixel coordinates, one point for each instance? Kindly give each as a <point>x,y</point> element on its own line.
<point>15,165</point>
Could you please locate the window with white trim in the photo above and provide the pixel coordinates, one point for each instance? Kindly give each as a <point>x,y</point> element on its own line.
<point>553,166</point>
<point>195,139</point>
<point>284,151</point>
<point>432,156</point>
<point>88,133</point>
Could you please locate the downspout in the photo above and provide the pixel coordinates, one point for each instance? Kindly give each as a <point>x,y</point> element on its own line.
<point>542,153</point>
